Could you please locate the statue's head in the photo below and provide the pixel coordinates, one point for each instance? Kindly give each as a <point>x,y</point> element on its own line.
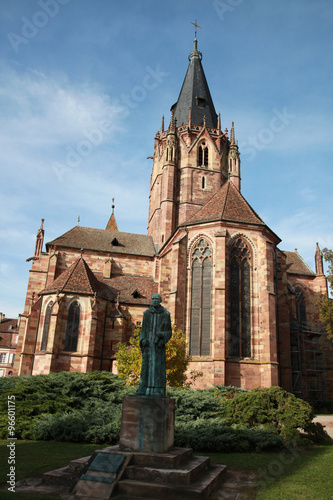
<point>156,299</point>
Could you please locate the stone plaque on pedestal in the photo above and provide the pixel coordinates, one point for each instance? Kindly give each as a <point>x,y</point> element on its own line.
<point>147,424</point>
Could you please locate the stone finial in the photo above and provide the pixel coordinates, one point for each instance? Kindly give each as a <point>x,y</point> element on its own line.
<point>232,134</point>
<point>319,262</point>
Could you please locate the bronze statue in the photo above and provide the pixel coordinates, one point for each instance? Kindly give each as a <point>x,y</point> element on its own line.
<point>155,333</point>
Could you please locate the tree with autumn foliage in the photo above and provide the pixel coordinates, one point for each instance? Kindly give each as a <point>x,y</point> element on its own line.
<point>129,359</point>
<point>326,303</point>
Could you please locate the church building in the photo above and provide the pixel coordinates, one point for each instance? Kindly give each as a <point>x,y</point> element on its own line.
<point>249,309</point>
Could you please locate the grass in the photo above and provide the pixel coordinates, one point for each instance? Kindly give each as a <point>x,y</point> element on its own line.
<point>35,457</point>
<point>301,474</point>
<point>305,474</point>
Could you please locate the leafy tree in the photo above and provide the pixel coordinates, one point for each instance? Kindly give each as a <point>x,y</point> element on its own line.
<point>326,303</point>
<point>129,359</point>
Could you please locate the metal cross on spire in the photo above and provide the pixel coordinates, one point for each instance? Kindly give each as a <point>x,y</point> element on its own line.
<point>196,26</point>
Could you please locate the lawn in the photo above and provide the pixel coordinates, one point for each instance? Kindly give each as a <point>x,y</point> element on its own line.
<point>306,475</point>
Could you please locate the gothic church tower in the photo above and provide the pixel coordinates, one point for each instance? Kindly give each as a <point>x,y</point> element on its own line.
<point>192,158</point>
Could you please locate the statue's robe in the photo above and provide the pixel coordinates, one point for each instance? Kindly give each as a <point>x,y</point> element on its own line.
<point>155,333</point>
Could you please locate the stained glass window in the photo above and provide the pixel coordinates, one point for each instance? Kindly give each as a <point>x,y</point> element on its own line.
<point>46,326</point>
<point>201,299</point>
<point>240,301</point>
<point>72,327</point>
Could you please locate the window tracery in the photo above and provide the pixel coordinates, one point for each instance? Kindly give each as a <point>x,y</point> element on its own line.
<point>240,300</point>
<point>72,327</point>
<point>46,326</point>
<point>201,299</point>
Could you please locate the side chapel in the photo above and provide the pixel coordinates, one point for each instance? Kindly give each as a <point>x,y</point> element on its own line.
<point>249,309</point>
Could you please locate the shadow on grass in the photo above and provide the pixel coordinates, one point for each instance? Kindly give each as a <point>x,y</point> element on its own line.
<point>32,458</point>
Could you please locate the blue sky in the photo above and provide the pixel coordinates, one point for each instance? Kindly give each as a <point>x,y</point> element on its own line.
<point>83,87</point>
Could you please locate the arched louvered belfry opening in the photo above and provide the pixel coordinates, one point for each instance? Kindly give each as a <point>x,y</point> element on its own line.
<point>300,306</point>
<point>46,326</point>
<point>72,327</point>
<point>201,283</point>
<point>240,300</point>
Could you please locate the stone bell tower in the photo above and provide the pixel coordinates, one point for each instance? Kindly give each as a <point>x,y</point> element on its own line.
<point>191,157</point>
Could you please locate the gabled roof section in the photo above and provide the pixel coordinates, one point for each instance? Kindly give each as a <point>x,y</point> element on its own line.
<point>78,278</point>
<point>195,93</point>
<point>296,264</point>
<point>101,240</point>
<point>226,205</point>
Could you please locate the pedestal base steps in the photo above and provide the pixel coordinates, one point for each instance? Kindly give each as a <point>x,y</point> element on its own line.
<point>176,474</point>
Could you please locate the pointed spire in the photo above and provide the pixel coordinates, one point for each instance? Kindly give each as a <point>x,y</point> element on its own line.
<point>112,224</point>
<point>319,261</point>
<point>195,93</point>
<point>232,134</point>
<point>162,126</point>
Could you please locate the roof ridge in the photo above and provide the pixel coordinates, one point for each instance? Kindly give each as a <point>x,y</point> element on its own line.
<point>225,199</point>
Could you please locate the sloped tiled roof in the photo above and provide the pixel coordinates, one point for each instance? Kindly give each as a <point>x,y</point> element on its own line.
<point>127,285</point>
<point>101,240</point>
<point>227,205</point>
<point>78,278</point>
<point>296,265</point>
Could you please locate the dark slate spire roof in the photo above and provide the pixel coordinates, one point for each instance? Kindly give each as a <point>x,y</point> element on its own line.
<point>227,205</point>
<point>195,93</point>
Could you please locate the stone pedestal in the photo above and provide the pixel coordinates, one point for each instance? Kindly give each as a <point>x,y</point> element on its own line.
<point>147,424</point>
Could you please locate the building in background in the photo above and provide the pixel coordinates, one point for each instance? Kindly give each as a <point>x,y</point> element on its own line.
<point>249,309</point>
<point>9,328</point>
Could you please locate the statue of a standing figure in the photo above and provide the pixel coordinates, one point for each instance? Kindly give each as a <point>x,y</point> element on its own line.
<point>155,333</point>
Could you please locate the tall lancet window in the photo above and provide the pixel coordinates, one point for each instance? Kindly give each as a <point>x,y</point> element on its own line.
<point>300,306</point>
<point>201,299</point>
<point>72,327</point>
<point>240,300</point>
<point>46,326</point>
<point>203,155</point>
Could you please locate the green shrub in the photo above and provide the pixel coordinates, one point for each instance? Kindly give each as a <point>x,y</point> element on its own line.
<point>273,408</point>
<point>212,435</point>
<point>55,393</point>
<point>100,424</point>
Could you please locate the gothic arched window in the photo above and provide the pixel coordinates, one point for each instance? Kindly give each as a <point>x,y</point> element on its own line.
<point>240,301</point>
<point>300,306</point>
<point>203,155</point>
<point>72,327</point>
<point>201,299</point>
<point>46,326</point>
